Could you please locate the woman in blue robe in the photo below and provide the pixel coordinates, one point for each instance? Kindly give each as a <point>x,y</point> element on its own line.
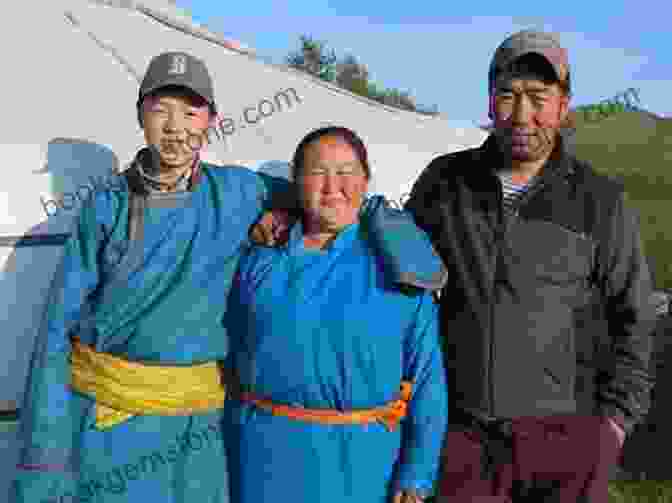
<point>321,341</point>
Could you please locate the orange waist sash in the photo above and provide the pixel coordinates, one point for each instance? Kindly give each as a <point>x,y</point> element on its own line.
<point>389,414</point>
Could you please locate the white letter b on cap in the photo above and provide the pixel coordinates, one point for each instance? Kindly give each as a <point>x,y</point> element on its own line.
<point>179,65</point>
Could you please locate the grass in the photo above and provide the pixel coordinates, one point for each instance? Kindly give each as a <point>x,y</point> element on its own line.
<point>637,148</point>
<point>640,492</point>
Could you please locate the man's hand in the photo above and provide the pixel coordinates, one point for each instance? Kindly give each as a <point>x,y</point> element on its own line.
<point>272,229</point>
<point>618,430</point>
<point>406,497</point>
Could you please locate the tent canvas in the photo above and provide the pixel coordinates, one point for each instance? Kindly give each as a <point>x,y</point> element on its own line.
<point>72,83</point>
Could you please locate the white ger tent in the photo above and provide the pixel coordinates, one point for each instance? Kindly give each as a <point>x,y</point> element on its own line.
<point>71,70</point>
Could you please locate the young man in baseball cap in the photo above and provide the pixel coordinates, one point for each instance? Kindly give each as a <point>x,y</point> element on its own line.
<point>178,86</point>
<point>125,372</point>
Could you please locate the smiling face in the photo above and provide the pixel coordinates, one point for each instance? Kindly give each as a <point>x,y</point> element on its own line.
<point>332,183</point>
<point>528,109</point>
<point>175,121</point>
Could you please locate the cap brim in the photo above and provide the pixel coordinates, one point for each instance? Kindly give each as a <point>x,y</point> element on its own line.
<point>555,61</point>
<point>557,58</point>
<point>176,81</point>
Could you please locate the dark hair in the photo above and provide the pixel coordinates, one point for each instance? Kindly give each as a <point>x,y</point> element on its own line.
<point>345,134</point>
<point>534,66</point>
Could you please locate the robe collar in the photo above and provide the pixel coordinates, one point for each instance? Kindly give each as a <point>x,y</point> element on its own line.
<point>343,239</point>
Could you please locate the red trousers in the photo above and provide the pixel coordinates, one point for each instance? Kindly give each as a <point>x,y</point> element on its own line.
<point>564,459</point>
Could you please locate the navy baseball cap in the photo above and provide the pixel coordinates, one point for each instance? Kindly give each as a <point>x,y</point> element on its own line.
<point>178,69</point>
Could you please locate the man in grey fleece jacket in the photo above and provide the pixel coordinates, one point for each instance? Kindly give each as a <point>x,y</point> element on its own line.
<point>547,314</point>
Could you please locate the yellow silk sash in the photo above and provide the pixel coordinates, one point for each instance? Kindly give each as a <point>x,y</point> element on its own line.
<point>123,389</point>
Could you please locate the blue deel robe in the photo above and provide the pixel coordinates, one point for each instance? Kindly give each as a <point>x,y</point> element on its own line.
<point>160,301</point>
<point>326,329</point>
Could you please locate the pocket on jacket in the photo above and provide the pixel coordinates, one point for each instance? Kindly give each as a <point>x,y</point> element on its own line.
<point>562,252</point>
<point>562,262</point>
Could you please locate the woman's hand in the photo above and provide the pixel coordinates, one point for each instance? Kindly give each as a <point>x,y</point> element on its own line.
<point>407,497</point>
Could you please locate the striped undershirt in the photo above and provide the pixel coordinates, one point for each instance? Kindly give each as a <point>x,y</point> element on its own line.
<point>513,191</point>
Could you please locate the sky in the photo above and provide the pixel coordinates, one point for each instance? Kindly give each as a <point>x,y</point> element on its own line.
<point>440,51</point>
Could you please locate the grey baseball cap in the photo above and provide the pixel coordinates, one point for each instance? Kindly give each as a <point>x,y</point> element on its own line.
<point>178,69</point>
<point>526,42</point>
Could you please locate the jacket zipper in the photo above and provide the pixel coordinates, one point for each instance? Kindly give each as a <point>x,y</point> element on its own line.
<point>501,229</point>
<point>535,189</point>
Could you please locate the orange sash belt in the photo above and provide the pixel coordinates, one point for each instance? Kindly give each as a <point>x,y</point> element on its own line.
<point>389,415</point>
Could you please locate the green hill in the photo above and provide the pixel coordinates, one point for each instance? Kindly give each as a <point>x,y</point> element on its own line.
<point>637,148</point>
